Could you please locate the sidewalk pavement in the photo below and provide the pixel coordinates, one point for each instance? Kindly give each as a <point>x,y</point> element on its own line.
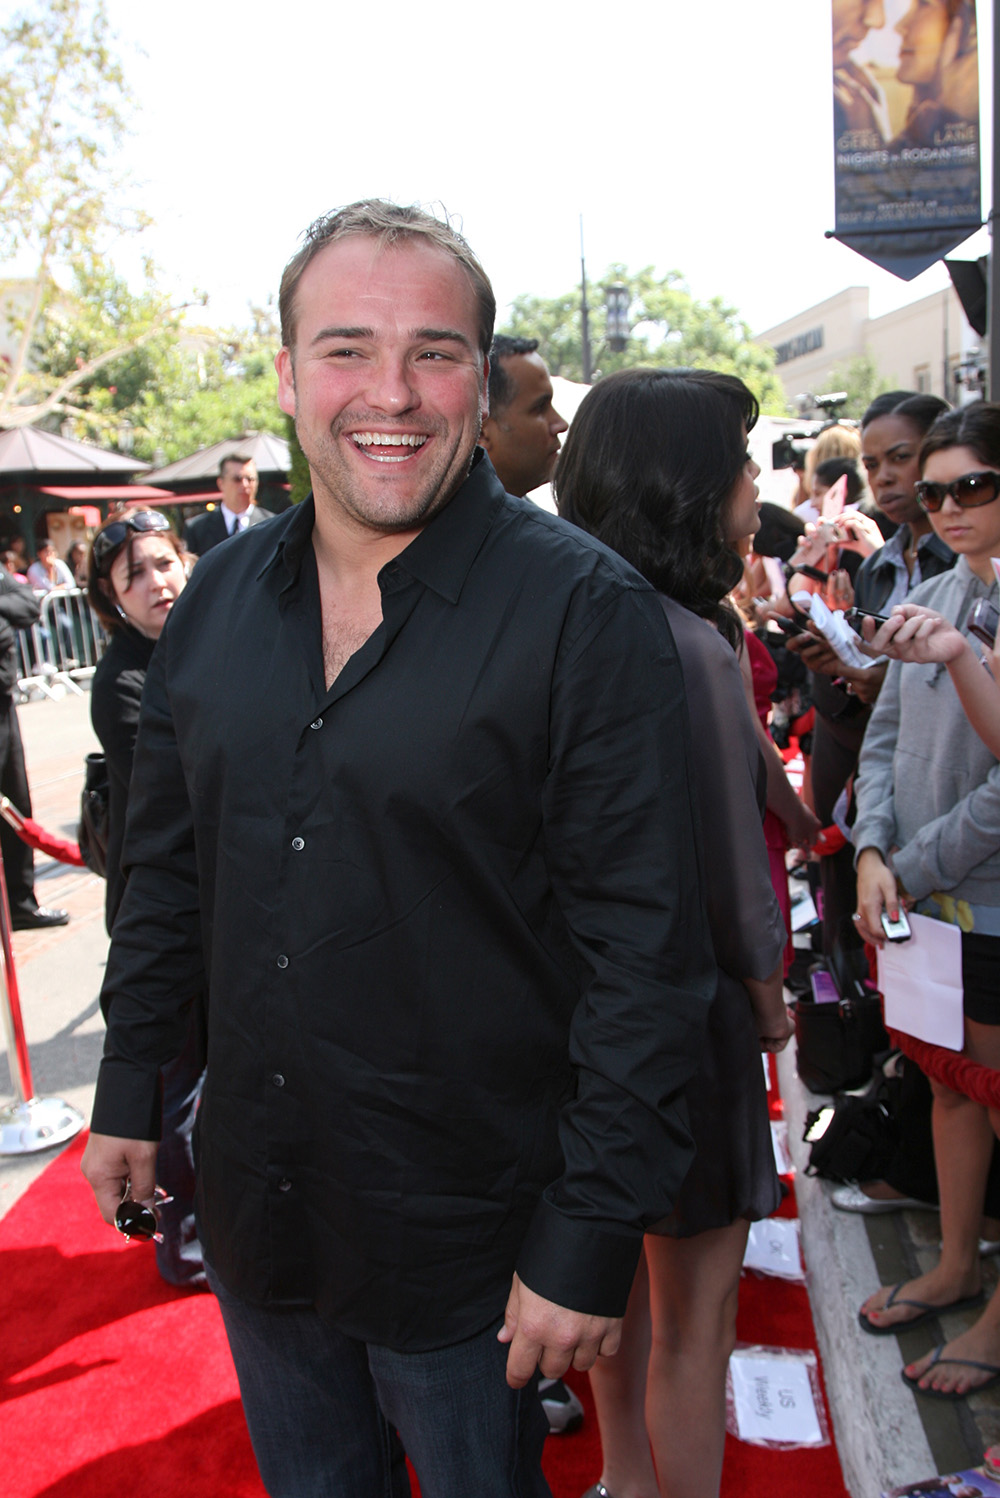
<point>885,1435</point>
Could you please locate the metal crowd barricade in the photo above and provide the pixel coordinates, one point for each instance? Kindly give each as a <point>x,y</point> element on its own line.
<point>63,648</point>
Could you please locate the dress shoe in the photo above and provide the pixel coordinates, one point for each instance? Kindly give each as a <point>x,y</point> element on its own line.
<point>853,1199</point>
<point>37,919</point>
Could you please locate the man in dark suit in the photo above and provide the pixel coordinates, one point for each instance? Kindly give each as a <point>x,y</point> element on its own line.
<point>237,482</point>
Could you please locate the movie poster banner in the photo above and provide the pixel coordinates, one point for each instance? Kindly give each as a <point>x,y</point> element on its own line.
<point>906,129</point>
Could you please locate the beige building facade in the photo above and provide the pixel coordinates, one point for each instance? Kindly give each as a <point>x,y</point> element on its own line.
<point>926,346</point>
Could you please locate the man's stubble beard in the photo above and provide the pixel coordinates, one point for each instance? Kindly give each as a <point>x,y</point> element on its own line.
<point>339,484</point>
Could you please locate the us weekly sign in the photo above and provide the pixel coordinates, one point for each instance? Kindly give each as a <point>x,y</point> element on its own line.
<point>906,129</point>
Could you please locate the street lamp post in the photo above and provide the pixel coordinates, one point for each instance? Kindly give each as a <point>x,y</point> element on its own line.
<point>584,315</point>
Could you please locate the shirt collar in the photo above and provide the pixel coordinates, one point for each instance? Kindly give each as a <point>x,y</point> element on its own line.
<point>439,557</point>
<point>230,516</point>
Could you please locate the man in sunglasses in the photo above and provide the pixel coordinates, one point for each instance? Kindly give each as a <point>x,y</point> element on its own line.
<point>412,805</point>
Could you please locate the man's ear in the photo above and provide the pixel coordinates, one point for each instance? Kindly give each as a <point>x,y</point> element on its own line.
<point>488,433</point>
<point>286,380</point>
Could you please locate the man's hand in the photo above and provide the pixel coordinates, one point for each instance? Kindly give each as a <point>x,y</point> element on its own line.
<point>552,1338</point>
<point>109,1163</point>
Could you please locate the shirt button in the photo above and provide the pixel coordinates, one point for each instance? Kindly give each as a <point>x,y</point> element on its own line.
<point>317,723</point>
<point>298,843</point>
<point>278,1079</point>
<point>282,960</point>
<point>284,1185</point>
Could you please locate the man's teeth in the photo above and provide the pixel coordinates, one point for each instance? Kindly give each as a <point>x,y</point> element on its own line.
<point>389,439</point>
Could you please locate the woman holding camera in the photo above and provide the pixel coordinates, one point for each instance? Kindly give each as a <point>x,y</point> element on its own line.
<point>136,574</point>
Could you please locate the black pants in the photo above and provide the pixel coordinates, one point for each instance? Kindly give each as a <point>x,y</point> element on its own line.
<point>834,760</point>
<point>18,859</point>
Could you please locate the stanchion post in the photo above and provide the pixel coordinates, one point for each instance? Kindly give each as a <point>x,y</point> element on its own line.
<point>31,1123</point>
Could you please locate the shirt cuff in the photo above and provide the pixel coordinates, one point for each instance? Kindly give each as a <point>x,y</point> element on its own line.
<point>127,1100</point>
<point>583,1265</point>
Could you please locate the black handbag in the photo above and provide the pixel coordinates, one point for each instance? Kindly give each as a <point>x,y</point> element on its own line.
<point>92,833</point>
<point>837,1041</point>
<point>855,1139</point>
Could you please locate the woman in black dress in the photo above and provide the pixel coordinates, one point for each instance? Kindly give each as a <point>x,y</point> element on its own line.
<point>656,466</point>
<point>136,574</point>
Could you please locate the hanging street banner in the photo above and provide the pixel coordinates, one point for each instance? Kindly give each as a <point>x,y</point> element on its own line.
<point>906,129</point>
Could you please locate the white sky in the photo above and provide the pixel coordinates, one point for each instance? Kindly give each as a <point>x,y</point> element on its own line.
<point>695,137</point>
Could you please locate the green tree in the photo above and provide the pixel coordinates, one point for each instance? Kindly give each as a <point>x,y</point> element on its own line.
<point>65,109</point>
<point>217,385</point>
<point>299,479</point>
<point>669,327</point>
<point>860,377</point>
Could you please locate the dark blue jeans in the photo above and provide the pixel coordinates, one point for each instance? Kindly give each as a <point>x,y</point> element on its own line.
<point>323,1410</point>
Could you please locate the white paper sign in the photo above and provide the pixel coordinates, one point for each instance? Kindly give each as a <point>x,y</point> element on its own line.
<point>774,1400</point>
<point>779,1143</point>
<point>838,633</point>
<point>773,1248</point>
<point>922,982</point>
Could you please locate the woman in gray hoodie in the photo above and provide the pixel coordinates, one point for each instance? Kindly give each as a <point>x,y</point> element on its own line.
<point>928,836</point>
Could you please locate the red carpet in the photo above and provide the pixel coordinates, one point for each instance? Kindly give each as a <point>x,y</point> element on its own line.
<point>111,1382</point>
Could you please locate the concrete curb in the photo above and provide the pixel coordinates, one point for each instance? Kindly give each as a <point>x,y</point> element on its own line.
<point>877,1428</point>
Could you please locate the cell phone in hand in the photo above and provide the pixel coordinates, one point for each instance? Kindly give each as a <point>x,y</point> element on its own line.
<point>854,617</point>
<point>790,626</point>
<point>896,930</point>
<point>807,571</point>
<point>982,621</point>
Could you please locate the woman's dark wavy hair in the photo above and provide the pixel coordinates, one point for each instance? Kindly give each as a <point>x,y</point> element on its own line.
<point>648,467</point>
<point>976,425</point>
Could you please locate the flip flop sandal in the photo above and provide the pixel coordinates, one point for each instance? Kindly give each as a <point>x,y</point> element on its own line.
<point>968,1303</point>
<point>953,1395</point>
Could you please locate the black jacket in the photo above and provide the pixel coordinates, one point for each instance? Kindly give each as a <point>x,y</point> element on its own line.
<point>206,531</point>
<point>19,609</point>
<point>447,911</point>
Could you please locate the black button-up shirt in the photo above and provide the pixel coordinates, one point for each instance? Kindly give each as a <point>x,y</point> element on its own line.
<point>447,911</point>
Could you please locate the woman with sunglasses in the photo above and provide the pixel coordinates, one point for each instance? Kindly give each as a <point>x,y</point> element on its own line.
<point>928,837</point>
<point>656,466</point>
<point>136,573</point>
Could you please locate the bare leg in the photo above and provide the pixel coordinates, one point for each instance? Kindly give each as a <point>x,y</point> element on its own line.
<point>963,1146</point>
<point>981,1343</point>
<point>694,1289</point>
<point>619,1388</point>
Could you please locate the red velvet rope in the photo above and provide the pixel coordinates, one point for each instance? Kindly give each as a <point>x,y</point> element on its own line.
<point>952,1069</point>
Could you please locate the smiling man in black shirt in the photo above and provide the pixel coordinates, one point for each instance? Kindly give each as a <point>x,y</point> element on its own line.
<point>411,803</point>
